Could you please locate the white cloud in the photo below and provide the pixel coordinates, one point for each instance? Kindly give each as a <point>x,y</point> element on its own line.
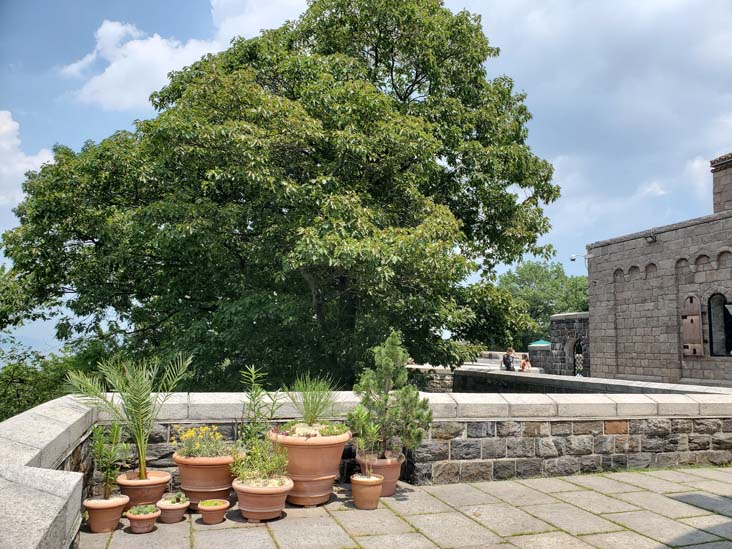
<point>14,162</point>
<point>696,172</point>
<point>651,189</point>
<point>134,64</point>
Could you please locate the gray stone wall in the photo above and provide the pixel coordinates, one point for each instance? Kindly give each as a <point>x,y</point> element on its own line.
<point>469,451</point>
<point>637,285</point>
<point>568,332</point>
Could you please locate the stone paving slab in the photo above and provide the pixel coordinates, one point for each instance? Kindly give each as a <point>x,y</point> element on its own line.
<point>635,510</point>
<point>661,528</point>
<point>453,530</point>
<point>571,519</point>
<point>506,520</point>
<point>597,503</point>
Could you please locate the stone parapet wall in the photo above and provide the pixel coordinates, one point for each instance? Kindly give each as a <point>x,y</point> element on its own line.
<point>469,451</point>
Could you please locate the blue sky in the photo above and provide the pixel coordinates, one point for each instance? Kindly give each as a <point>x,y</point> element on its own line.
<point>630,99</point>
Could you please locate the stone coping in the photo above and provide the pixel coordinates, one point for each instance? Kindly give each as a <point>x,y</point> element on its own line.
<point>33,444</point>
<point>570,316</point>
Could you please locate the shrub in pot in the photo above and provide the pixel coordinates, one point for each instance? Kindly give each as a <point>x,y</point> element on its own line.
<point>106,450</point>
<point>139,390</point>
<point>203,459</point>
<point>260,466</point>
<point>314,446</point>
<point>173,508</point>
<point>213,510</point>
<point>142,518</point>
<point>387,400</point>
<point>366,485</point>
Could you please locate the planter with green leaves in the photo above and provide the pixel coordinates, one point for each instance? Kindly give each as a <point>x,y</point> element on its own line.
<point>203,459</point>
<point>261,485</point>
<point>142,518</point>
<point>366,485</point>
<point>387,400</point>
<point>314,446</point>
<point>173,508</point>
<point>213,510</point>
<point>107,450</point>
<point>139,390</point>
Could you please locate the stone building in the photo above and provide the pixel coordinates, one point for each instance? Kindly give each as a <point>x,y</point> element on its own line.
<point>661,299</point>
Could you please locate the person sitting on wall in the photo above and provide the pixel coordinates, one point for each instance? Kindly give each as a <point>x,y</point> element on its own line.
<point>508,360</point>
<point>525,363</point>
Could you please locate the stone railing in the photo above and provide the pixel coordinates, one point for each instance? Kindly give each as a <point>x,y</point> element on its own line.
<point>45,467</point>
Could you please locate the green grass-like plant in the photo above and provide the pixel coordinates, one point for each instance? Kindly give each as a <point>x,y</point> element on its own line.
<point>209,503</point>
<point>108,450</point>
<point>263,461</point>
<point>313,397</point>
<point>139,390</point>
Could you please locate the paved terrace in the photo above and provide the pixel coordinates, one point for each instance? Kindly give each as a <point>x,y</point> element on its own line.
<point>683,507</point>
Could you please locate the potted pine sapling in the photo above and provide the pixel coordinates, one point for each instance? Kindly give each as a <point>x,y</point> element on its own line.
<point>387,400</point>
<point>173,508</point>
<point>203,458</point>
<point>314,445</point>
<point>107,450</point>
<point>142,518</point>
<point>366,485</point>
<point>139,390</point>
<point>260,465</point>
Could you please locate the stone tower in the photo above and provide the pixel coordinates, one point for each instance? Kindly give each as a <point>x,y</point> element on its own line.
<point>722,177</point>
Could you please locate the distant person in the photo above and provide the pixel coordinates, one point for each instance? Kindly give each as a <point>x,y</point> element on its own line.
<point>525,363</point>
<point>508,360</point>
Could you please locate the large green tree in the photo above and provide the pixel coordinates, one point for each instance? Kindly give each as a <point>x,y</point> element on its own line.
<point>547,290</point>
<point>296,197</point>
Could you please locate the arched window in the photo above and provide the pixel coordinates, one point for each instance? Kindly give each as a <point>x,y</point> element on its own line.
<point>720,325</point>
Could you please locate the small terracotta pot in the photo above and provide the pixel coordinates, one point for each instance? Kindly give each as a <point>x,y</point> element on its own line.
<point>262,502</point>
<point>389,468</point>
<point>214,514</point>
<point>143,491</point>
<point>366,491</point>
<point>142,524</point>
<point>104,514</point>
<point>204,477</point>
<point>312,464</point>
<point>171,512</point>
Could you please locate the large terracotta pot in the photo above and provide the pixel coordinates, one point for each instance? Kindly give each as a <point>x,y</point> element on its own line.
<point>262,502</point>
<point>366,491</point>
<point>204,477</point>
<point>142,524</point>
<point>389,468</point>
<point>104,514</point>
<point>312,464</point>
<point>213,514</point>
<point>143,491</point>
<point>171,513</point>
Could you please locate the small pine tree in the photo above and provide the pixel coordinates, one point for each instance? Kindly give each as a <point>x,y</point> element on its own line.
<point>389,402</point>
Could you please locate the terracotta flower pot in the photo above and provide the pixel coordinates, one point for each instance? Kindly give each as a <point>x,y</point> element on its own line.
<point>204,477</point>
<point>171,513</point>
<point>312,464</point>
<point>143,491</point>
<point>142,524</point>
<point>104,514</point>
<point>215,513</point>
<point>366,490</point>
<point>262,502</point>
<point>389,468</point>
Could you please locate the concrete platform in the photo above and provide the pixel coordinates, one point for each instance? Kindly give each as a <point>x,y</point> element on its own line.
<point>683,507</point>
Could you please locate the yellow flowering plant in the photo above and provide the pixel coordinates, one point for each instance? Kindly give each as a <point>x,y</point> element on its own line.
<point>206,441</point>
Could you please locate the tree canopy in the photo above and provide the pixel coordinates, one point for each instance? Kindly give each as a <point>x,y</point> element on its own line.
<point>547,290</point>
<point>296,197</point>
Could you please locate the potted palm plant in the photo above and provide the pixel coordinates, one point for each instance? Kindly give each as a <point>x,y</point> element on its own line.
<point>107,449</point>
<point>139,390</point>
<point>387,400</point>
<point>260,466</point>
<point>203,458</point>
<point>366,485</point>
<point>314,446</point>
